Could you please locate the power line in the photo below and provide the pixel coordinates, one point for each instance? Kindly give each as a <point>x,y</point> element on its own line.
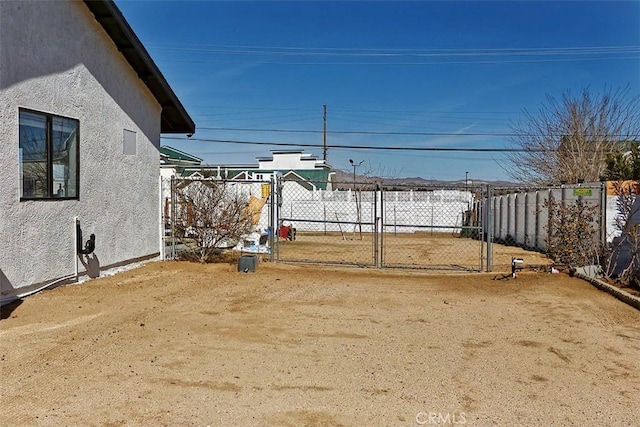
<point>391,63</point>
<point>364,147</point>
<point>349,132</point>
<point>406,56</point>
<point>382,52</point>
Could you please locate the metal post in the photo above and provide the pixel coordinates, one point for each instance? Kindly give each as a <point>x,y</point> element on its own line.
<point>173,216</point>
<point>395,221</point>
<point>489,231</point>
<point>381,229</point>
<point>324,216</point>
<point>603,213</point>
<point>501,221</point>
<point>431,219</point>
<point>510,218</point>
<point>375,225</point>
<point>526,241</point>
<point>482,218</point>
<point>537,239</point>
<point>272,218</point>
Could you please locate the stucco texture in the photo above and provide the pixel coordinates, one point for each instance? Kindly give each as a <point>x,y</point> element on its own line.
<point>57,59</point>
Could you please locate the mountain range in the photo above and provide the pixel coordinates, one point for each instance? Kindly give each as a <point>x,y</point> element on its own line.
<point>345,179</point>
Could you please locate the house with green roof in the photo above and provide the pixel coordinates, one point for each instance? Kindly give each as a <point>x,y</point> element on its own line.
<point>294,165</point>
<point>173,156</point>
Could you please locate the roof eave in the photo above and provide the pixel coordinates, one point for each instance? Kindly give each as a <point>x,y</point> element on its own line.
<point>174,117</point>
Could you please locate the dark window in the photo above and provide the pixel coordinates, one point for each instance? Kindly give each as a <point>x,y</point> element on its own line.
<point>48,156</point>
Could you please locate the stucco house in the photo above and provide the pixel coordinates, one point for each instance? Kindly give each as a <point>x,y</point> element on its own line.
<point>83,106</point>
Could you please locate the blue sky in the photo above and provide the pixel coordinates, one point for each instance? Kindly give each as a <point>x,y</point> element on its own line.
<point>392,74</point>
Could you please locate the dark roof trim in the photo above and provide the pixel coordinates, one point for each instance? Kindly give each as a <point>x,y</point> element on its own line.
<point>174,117</point>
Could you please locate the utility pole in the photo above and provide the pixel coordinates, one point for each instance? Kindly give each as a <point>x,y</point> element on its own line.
<point>324,133</point>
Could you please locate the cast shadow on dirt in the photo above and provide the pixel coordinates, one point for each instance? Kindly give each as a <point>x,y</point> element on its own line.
<point>7,309</point>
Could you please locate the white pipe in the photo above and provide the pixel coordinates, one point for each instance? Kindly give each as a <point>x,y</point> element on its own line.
<point>10,298</point>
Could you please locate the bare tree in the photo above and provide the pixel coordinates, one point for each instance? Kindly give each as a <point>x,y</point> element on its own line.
<point>569,139</point>
<point>210,214</point>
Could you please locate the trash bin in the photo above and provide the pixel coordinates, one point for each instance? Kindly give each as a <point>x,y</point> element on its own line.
<point>248,263</point>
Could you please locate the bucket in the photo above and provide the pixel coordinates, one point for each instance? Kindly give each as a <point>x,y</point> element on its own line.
<point>248,263</point>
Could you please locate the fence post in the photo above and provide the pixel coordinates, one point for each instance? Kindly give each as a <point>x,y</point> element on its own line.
<point>498,215</point>
<point>537,238</point>
<point>324,216</point>
<point>603,213</point>
<point>277,206</point>
<point>525,238</point>
<point>272,218</point>
<point>173,217</point>
<point>509,218</point>
<point>550,212</point>
<point>489,231</point>
<point>375,224</point>
<point>382,220</point>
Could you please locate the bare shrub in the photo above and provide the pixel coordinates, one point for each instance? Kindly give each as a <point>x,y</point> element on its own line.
<point>571,232</point>
<point>210,215</point>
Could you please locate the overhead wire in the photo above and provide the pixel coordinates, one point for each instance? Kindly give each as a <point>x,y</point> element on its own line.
<point>367,147</point>
<point>349,132</point>
<point>388,52</point>
<point>361,56</point>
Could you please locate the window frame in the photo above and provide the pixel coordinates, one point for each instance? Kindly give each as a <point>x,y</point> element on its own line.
<point>49,155</point>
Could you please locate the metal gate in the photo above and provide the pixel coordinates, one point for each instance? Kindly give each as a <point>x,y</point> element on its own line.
<point>363,223</point>
<point>321,225</point>
<point>432,227</point>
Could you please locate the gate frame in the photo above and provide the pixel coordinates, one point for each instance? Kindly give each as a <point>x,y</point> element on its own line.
<point>377,224</point>
<point>279,219</point>
<point>476,204</point>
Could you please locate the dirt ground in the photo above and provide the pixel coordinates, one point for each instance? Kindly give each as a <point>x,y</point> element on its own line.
<point>442,251</point>
<point>174,343</point>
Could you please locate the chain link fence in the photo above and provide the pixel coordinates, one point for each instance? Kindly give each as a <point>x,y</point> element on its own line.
<point>202,217</point>
<point>363,223</point>
<point>329,226</point>
<point>462,228</point>
<point>432,227</point>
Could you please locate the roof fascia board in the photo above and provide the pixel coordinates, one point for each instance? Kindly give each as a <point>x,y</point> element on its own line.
<point>175,118</point>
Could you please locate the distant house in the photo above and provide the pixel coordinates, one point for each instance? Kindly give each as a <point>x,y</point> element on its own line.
<point>83,107</point>
<point>306,169</point>
<point>305,175</point>
<point>172,157</point>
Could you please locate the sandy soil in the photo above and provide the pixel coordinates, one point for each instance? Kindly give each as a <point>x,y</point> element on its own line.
<point>186,344</point>
<point>442,251</point>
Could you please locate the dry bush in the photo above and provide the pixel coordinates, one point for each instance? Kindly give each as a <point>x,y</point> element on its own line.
<point>571,232</point>
<point>209,216</point>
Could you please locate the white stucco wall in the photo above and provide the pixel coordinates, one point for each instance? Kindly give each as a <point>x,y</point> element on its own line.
<point>57,59</point>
